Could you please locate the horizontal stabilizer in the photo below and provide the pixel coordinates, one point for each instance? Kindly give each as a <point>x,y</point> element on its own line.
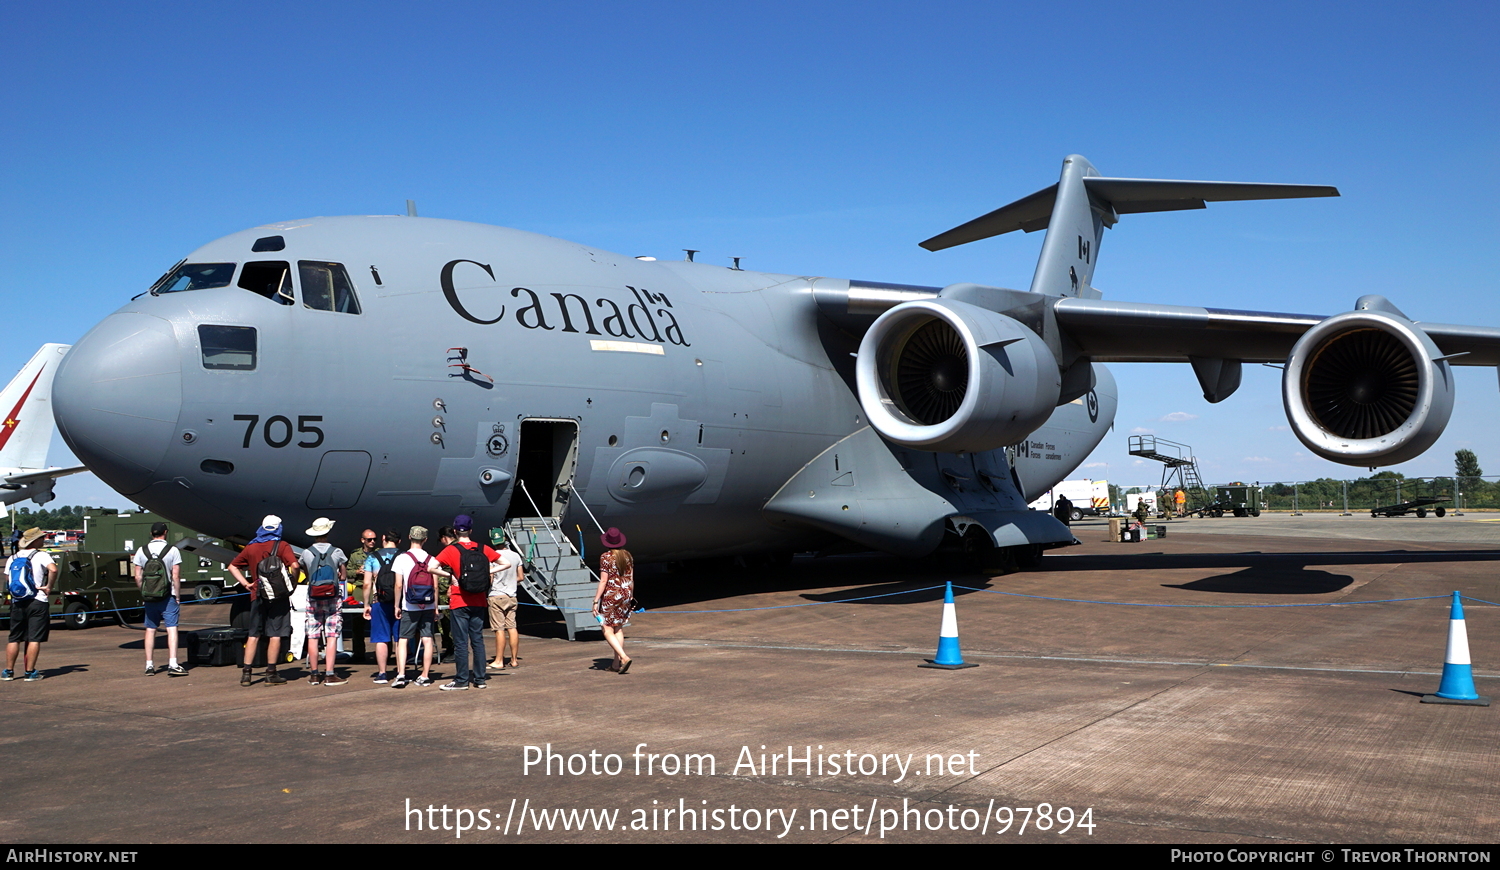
<point>1125,196</point>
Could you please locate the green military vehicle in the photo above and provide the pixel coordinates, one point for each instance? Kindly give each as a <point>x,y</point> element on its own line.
<point>90,586</point>
<point>96,581</point>
<point>1240,499</point>
<point>202,577</point>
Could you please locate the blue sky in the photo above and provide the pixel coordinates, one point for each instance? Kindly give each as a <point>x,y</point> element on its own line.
<point>810,138</point>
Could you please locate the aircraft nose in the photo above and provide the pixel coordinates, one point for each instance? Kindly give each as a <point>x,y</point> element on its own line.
<point>117,396</point>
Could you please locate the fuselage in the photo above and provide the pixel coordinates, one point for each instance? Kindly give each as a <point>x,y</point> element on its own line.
<point>391,371</point>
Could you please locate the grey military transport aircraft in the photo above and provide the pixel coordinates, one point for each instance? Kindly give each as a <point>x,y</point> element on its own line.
<point>387,370</point>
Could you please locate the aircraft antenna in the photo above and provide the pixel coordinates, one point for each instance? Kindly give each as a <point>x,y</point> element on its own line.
<point>690,252</point>
<point>411,208</point>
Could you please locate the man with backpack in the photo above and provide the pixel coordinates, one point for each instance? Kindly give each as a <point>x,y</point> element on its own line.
<point>158,574</point>
<point>468,600</point>
<point>323,563</point>
<point>273,564</point>
<point>30,575</point>
<point>380,600</point>
<point>415,595</point>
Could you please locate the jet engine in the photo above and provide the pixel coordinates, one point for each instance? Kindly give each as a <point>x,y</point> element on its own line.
<point>948,376</point>
<point>1367,387</point>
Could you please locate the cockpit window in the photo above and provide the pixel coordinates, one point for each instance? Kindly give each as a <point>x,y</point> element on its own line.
<point>194,276</point>
<point>272,280</point>
<point>326,287</point>
<point>228,347</point>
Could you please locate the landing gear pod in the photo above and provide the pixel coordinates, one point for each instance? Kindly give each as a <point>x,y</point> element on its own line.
<point>1367,388</point>
<point>948,376</point>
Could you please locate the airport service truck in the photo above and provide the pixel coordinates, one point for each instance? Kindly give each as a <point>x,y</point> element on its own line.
<point>1090,498</point>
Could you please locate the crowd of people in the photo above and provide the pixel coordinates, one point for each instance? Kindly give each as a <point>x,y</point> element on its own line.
<point>300,601</point>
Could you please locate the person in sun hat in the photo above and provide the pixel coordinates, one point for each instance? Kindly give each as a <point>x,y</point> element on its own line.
<point>30,574</point>
<point>323,563</point>
<point>615,596</point>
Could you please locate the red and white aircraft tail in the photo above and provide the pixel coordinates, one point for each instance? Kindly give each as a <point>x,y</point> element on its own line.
<point>26,430</point>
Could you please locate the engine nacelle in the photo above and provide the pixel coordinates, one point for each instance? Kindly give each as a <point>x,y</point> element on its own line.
<point>1367,388</point>
<point>948,376</point>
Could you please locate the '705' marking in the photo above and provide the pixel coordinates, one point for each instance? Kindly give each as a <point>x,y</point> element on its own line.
<point>278,432</point>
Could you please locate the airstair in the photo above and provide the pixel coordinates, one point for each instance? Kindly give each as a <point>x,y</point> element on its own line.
<point>553,571</point>
<point>1178,464</point>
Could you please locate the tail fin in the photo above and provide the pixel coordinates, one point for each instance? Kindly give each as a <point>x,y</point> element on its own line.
<point>1082,204</point>
<point>26,428</point>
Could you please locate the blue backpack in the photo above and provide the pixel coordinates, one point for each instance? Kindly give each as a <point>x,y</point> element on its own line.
<point>22,586</point>
<point>324,582</point>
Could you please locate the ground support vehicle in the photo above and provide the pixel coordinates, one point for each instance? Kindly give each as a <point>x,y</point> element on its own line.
<point>1240,499</point>
<point>203,578</point>
<point>1418,506</point>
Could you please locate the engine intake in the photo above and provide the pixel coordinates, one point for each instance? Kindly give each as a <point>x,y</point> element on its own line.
<point>1367,388</point>
<point>948,376</point>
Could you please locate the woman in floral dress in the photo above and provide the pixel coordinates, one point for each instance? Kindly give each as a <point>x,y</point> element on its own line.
<point>615,595</point>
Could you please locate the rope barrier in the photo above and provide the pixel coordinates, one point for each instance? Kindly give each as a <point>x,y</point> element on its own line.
<point>1221,606</point>
<point>1444,597</point>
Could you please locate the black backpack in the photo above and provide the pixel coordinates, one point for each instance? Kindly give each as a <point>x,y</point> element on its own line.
<point>385,579</point>
<point>272,573</point>
<point>473,569</point>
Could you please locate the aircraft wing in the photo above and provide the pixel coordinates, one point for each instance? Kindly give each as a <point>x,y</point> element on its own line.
<point>1143,332</point>
<point>42,474</point>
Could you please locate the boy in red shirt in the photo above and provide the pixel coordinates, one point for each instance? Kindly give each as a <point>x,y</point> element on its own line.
<point>468,600</point>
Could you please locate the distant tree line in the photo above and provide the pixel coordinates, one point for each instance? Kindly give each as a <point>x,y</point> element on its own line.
<point>66,517</point>
<point>1381,488</point>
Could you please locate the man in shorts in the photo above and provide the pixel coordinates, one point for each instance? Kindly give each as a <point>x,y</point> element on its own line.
<point>150,562</point>
<point>30,574</point>
<point>323,564</point>
<point>416,604</point>
<point>505,572</point>
<point>380,601</point>
<point>270,594</point>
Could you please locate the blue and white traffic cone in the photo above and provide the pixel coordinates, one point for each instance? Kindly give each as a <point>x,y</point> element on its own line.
<point>948,657</point>
<point>1457,686</point>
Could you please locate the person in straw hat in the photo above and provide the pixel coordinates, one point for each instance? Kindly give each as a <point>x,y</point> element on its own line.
<point>30,574</point>
<point>324,565</point>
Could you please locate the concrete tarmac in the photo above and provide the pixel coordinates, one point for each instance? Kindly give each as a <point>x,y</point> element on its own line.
<point>1158,692</point>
